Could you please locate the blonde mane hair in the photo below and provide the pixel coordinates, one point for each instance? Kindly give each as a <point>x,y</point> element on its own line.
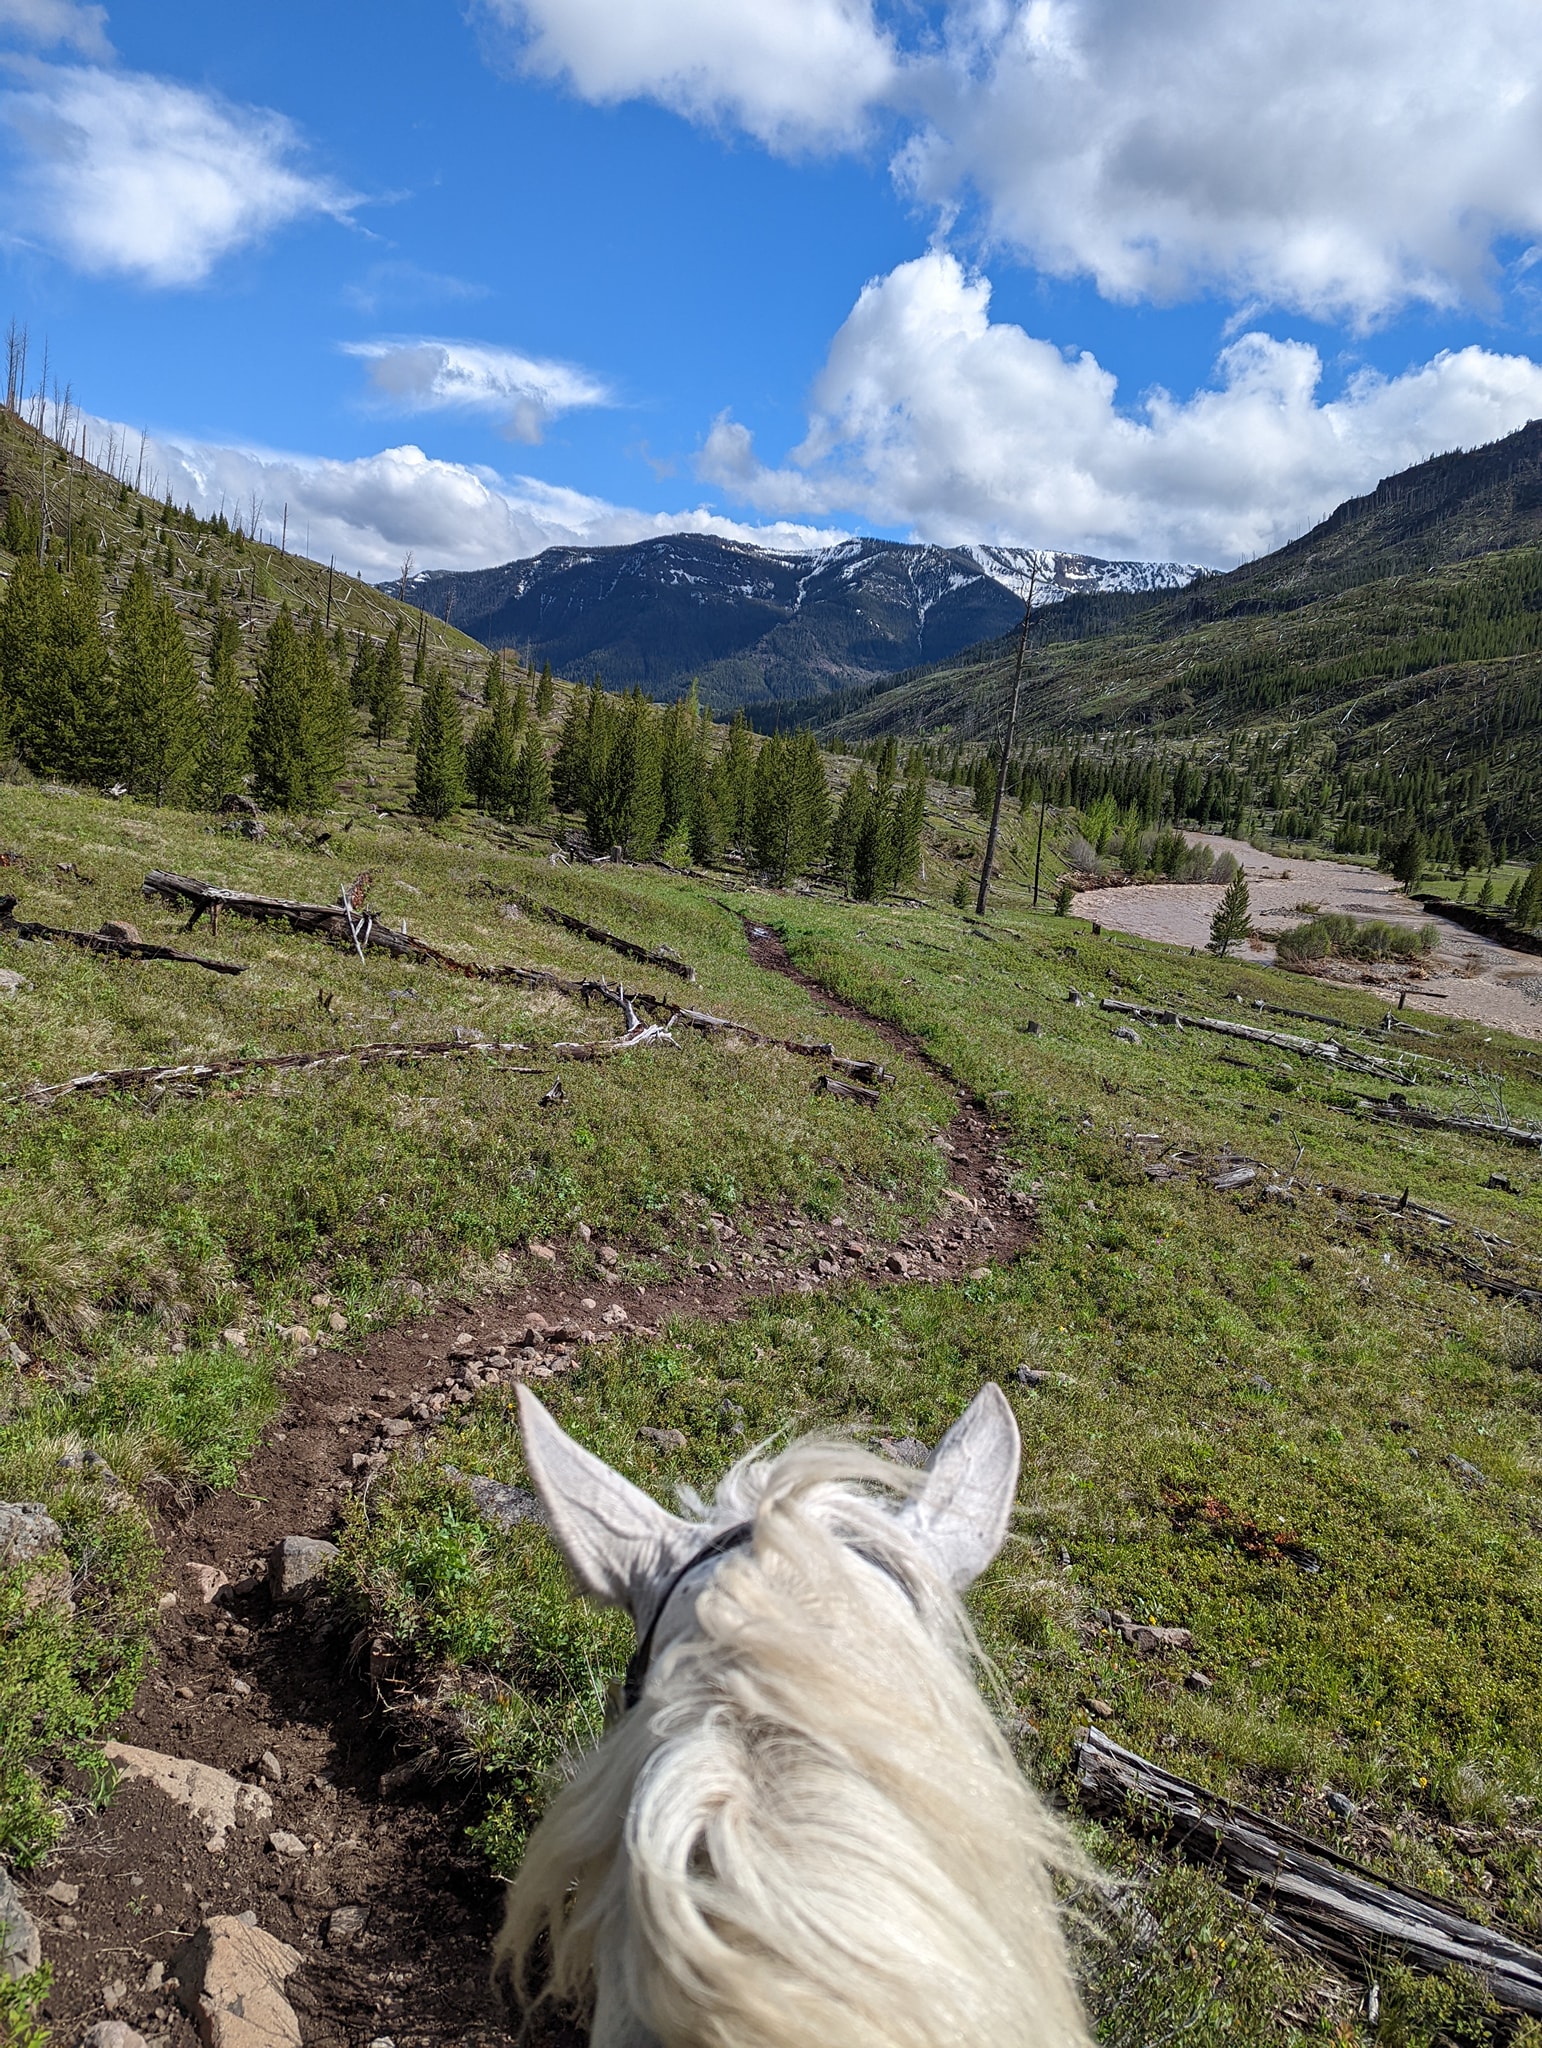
<point>809,1832</point>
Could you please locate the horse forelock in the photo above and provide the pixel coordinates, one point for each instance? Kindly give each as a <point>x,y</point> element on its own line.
<point>809,1833</point>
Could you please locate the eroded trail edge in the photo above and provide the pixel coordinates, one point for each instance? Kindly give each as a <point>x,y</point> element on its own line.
<point>359,1866</point>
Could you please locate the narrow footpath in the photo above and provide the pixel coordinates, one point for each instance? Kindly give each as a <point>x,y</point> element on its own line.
<point>366,1876</point>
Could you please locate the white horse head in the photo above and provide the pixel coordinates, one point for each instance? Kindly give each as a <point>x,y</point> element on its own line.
<point>806,1830</point>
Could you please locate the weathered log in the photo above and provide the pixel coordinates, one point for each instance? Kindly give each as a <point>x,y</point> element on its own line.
<point>1282,1041</point>
<point>106,942</point>
<point>201,1073</point>
<point>650,956</point>
<point>1302,1887</point>
<point>323,920</point>
<point>849,1091</point>
<point>1523,1135</point>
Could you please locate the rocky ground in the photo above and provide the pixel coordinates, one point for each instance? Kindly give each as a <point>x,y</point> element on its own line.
<point>270,1870</point>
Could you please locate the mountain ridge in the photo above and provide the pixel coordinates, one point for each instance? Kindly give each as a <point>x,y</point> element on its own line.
<point>757,626</point>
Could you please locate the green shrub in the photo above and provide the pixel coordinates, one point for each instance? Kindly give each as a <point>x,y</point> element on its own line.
<point>1333,935</point>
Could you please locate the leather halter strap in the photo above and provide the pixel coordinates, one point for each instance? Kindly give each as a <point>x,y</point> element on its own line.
<point>637,1667</point>
<point>733,1538</point>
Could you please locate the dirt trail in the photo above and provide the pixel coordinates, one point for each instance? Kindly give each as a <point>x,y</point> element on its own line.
<point>241,1677</point>
<point>1468,976</point>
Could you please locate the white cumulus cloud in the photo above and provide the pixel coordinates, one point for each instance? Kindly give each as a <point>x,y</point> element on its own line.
<point>370,511</point>
<point>526,392</point>
<point>1342,161</point>
<point>793,73</point>
<point>929,415</point>
<point>1338,160</point>
<point>122,172</point>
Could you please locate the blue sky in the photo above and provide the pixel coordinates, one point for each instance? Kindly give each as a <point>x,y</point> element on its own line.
<point>1141,277</point>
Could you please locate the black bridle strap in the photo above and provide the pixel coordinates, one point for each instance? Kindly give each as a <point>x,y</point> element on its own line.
<point>637,1669</point>
<point>734,1538</point>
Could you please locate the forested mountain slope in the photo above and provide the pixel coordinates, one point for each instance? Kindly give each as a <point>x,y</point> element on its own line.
<point>1396,647</point>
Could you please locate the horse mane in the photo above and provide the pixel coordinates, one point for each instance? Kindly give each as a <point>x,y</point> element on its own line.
<point>809,1833</point>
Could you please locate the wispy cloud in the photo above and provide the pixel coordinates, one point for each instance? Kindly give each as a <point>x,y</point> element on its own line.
<point>397,282</point>
<point>525,393</point>
<point>46,24</point>
<point>119,171</point>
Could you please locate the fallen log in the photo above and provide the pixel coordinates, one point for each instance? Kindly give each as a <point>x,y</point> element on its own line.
<point>193,1074</point>
<point>872,1071</point>
<point>654,956</point>
<point>1303,1888</point>
<point>352,926</point>
<point>106,942</point>
<point>1255,1034</point>
<point>324,920</point>
<point>1435,1120</point>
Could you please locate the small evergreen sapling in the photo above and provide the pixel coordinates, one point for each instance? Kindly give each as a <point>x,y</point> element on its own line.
<point>1233,918</point>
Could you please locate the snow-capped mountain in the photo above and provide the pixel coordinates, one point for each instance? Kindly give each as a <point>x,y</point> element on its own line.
<point>749,624</point>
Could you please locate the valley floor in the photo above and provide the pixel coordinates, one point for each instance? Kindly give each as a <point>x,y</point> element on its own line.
<point>1468,976</point>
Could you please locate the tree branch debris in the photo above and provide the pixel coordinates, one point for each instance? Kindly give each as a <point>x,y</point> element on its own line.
<point>105,942</point>
<point>192,1075</point>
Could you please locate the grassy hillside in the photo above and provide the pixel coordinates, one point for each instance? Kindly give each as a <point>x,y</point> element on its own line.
<point>93,515</point>
<point>1241,1416</point>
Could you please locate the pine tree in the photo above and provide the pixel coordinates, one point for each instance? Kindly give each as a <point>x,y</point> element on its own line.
<point>1233,919</point>
<point>809,838</point>
<point>850,817</point>
<point>545,694</point>
<point>439,784</point>
<point>388,691</point>
<point>492,758</point>
<point>771,806</point>
<point>625,801</point>
<point>532,781</point>
<point>85,678</point>
<point>570,763</point>
<point>297,741</point>
<point>331,691</point>
<point>738,781</point>
<point>678,763</point>
<point>157,692</point>
<point>225,751</point>
<point>361,678</point>
<point>707,817</point>
<point>39,710</point>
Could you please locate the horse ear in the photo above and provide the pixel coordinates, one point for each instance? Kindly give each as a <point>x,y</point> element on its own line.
<point>959,1516</point>
<point>617,1540</point>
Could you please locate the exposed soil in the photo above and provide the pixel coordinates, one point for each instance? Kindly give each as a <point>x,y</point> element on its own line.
<point>240,1677</point>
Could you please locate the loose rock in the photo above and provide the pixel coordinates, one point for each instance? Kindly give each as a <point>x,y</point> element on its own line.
<point>282,1843</point>
<point>21,1946</point>
<point>208,1578</point>
<point>216,1801</point>
<point>111,2034</point>
<point>232,1978</point>
<point>294,1564</point>
<point>346,1924</point>
<point>505,1505</point>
